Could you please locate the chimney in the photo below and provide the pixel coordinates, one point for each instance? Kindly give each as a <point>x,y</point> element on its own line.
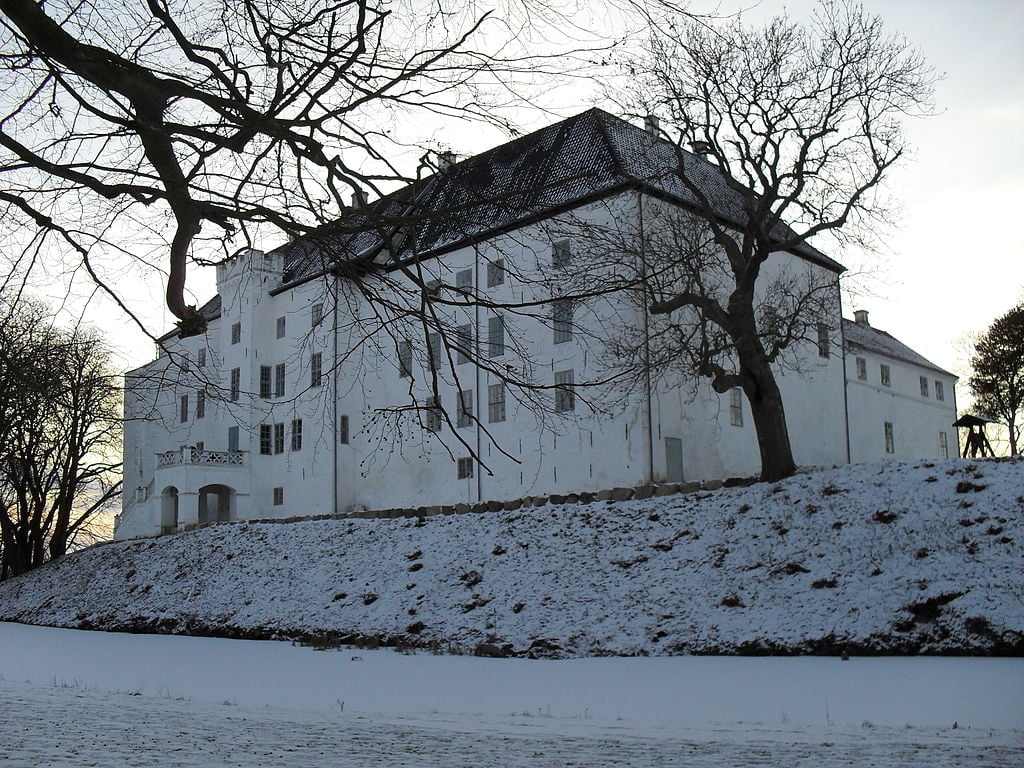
<point>358,198</point>
<point>700,147</point>
<point>860,317</point>
<point>445,160</point>
<point>652,125</point>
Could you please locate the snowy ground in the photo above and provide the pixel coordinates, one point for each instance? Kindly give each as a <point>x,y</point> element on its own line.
<point>72,698</point>
<point>893,558</point>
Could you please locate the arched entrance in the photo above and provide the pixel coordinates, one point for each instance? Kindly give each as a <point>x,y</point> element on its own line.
<point>169,510</point>
<point>215,502</point>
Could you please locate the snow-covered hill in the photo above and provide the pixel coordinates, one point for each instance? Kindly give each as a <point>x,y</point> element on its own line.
<point>891,558</point>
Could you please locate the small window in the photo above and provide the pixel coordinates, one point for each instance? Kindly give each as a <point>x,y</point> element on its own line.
<point>465,470</point>
<point>463,344</point>
<point>434,341</point>
<point>316,314</point>
<point>736,407</point>
<point>823,350</point>
<point>200,404</point>
<point>343,430</point>
<point>404,358</point>
<point>232,438</point>
<point>565,398</point>
<point>296,434</point>
<point>561,320</point>
<point>465,414</point>
<point>201,358</point>
<point>890,443</point>
<point>183,410</point>
<point>278,496</point>
<point>236,333</point>
<point>924,386</point>
<point>278,438</point>
<point>495,336</point>
<point>940,390</point>
<point>280,327</point>
<point>185,365</point>
<point>495,273</point>
<point>862,369</point>
<point>561,253</point>
<point>236,384</point>
<point>200,446</point>
<point>316,369</point>
<point>885,375</point>
<point>495,403</point>
<point>279,380</point>
<point>433,415</point>
<point>943,446</point>
<point>266,439</point>
<point>464,280</point>
<point>266,380</point>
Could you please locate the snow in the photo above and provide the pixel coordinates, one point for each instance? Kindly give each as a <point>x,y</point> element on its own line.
<point>143,700</point>
<point>886,558</point>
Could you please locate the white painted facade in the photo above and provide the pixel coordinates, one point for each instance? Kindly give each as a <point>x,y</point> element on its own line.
<point>348,439</point>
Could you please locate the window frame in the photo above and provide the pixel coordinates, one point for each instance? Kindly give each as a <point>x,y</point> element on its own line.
<point>464,468</point>
<point>236,333</point>
<point>496,412</point>
<point>296,436</point>
<point>561,320</point>
<point>235,384</point>
<point>861,365</point>
<point>464,344</point>
<point>890,438</point>
<point>343,429</point>
<point>940,391</point>
<point>736,406</point>
<point>464,408</point>
<point>280,327</point>
<point>404,358</point>
<point>824,344</point>
<point>183,408</point>
<point>561,253</point>
<point>885,375</point>
<point>266,439</point>
<point>278,438</point>
<point>200,404</point>
<point>266,381</point>
<point>233,435</point>
<point>316,314</point>
<point>495,336</point>
<point>924,386</point>
<point>495,273</point>
<point>279,380</point>
<point>278,496</point>
<point>565,398</point>
<point>316,369</point>
<point>433,421</point>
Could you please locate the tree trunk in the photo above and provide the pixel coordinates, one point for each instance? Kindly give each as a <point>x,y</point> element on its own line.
<point>769,415</point>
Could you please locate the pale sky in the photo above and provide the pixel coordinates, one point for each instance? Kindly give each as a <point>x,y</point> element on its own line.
<point>957,259</point>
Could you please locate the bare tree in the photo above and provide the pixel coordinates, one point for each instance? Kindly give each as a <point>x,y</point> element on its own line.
<point>60,429</point>
<point>793,131</point>
<point>997,380</point>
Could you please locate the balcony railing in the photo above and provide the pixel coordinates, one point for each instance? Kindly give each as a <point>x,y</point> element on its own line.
<point>190,455</point>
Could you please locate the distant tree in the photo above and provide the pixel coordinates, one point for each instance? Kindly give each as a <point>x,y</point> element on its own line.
<point>59,436</point>
<point>997,382</point>
<point>803,124</point>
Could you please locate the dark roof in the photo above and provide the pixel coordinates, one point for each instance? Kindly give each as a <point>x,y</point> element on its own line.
<point>562,166</point>
<point>210,310</point>
<point>874,340</point>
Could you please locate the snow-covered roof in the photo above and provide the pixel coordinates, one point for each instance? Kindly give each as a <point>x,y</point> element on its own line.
<point>878,341</point>
<point>586,157</point>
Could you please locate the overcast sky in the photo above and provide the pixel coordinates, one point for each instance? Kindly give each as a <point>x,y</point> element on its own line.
<point>957,260</point>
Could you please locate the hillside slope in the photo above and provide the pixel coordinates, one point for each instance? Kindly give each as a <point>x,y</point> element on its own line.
<point>892,558</point>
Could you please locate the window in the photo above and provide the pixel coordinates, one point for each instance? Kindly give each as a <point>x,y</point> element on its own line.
<point>343,430</point>
<point>433,415</point>
<point>495,336</point>
<point>924,386</point>
<point>822,340</point>
<point>862,369</point>
<point>232,438</point>
<point>266,438</point>
<point>464,344</point>
<point>561,254</point>
<point>496,403</point>
<point>434,340</point>
<point>236,384</point>
<point>495,273</point>
<point>183,414</point>
<point>278,496</point>
<point>316,369</point>
<point>279,438</point>
<point>200,446</point>
<point>736,407</point>
<point>279,380</point>
<point>236,333</point>
<point>890,444</point>
<point>884,374</point>
<point>280,327</point>
<point>201,358</point>
<point>464,280</point>
<point>465,415</point>
<point>184,362</point>
<point>200,404</point>
<point>265,381</point>
<point>943,446</point>
<point>296,434</point>
<point>940,390</point>
<point>465,467</point>
<point>565,399</point>
<point>404,358</point>
<point>316,315</point>
<point>561,320</point>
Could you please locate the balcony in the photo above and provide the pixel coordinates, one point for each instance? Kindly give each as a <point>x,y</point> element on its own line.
<point>192,455</point>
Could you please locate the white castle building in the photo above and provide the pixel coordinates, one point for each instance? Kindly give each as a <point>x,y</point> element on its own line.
<point>315,387</point>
